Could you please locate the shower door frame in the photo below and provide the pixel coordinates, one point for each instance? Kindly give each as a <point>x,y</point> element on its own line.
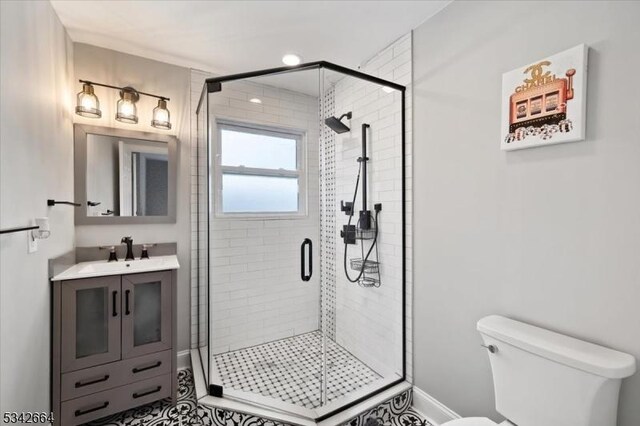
<point>213,85</point>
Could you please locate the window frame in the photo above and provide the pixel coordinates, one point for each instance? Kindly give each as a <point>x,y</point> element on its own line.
<point>300,173</point>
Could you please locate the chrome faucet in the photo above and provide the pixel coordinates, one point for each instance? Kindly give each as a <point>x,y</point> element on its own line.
<point>129,242</point>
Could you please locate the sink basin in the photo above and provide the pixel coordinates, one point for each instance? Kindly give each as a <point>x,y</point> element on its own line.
<point>103,268</point>
<point>121,267</point>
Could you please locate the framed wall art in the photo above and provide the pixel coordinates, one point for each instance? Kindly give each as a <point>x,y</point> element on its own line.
<point>544,103</point>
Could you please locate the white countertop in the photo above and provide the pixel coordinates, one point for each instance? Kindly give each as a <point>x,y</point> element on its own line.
<point>101,268</point>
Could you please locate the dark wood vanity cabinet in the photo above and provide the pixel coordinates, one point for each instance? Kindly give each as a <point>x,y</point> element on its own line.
<point>113,344</point>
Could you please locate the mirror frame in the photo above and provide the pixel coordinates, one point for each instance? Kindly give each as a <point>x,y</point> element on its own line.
<point>80,133</point>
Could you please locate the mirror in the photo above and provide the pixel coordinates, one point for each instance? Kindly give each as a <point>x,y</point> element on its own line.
<point>124,176</point>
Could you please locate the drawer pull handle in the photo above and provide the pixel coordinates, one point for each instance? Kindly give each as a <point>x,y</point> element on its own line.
<point>79,413</point>
<point>92,382</point>
<point>140,395</point>
<point>141,369</point>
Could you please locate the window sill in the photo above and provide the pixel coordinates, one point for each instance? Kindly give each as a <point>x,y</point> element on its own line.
<point>260,216</point>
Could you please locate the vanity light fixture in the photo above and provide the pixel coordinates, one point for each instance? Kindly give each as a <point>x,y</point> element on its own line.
<point>88,103</point>
<point>126,109</point>
<point>255,100</point>
<point>161,116</point>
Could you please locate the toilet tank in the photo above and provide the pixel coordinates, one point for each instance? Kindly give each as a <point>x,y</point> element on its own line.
<point>543,378</point>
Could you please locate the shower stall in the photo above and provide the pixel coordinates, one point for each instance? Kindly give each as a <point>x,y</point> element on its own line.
<point>301,238</point>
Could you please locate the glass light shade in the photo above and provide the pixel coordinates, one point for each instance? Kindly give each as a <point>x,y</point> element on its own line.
<point>161,116</point>
<point>126,110</point>
<point>87,103</point>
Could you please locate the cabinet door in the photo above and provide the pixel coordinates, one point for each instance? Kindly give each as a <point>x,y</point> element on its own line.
<point>146,313</point>
<point>90,322</point>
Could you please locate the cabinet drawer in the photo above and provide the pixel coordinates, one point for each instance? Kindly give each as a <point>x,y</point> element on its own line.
<point>119,373</point>
<point>90,380</point>
<point>97,405</point>
<point>147,366</point>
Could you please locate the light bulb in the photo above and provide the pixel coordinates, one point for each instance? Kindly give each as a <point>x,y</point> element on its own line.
<point>127,108</point>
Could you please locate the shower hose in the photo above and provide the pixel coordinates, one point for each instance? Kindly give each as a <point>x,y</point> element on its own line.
<point>375,238</point>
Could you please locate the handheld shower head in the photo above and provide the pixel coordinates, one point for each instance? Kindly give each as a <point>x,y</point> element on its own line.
<point>336,124</point>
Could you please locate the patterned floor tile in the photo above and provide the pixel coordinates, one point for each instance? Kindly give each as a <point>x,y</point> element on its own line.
<point>395,412</point>
<point>291,370</point>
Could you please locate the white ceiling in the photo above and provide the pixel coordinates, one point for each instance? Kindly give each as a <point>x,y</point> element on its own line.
<point>237,36</point>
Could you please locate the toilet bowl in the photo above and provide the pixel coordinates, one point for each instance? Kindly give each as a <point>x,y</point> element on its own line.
<point>575,382</point>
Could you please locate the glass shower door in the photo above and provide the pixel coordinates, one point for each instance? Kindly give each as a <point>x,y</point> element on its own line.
<point>265,340</point>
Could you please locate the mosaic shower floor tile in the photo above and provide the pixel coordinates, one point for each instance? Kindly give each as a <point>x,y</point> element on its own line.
<point>291,370</point>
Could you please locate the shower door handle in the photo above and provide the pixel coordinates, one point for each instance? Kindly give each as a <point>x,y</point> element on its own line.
<point>309,253</point>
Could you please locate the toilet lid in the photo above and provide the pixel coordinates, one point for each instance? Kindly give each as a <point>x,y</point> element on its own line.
<point>471,421</point>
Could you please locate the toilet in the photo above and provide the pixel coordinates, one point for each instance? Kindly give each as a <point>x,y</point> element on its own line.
<point>543,378</point>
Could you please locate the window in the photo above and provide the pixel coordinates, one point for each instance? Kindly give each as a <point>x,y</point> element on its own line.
<point>260,170</point>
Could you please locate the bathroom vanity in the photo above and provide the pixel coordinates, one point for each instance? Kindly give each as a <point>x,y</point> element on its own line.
<point>114,337</point>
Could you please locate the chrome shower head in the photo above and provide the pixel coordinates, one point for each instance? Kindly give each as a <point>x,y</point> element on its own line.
<point>336,124</point>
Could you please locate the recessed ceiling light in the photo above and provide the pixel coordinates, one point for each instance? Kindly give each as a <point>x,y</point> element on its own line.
<point>255,100</point>
<point>387,89</point>
<point>291,59</point>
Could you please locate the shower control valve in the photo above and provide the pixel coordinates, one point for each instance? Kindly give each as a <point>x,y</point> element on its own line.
<point>348,234</point>
<point>347,207</point>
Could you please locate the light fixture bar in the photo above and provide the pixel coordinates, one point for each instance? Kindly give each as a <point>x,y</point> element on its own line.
<point>126,110</point>
<point>122,88</point>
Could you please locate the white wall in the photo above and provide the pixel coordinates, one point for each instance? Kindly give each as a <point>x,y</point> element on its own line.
<point>256,292</point>
<point>549,235</point>
<point>120,69</point>
<point>36,163</point>
<point>369,320</point>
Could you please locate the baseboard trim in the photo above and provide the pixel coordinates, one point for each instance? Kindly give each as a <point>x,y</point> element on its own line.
<point>432,409</point>
<point>184,359</point>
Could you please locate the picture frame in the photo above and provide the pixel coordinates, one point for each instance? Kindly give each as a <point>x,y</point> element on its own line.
<point>544,102</point>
